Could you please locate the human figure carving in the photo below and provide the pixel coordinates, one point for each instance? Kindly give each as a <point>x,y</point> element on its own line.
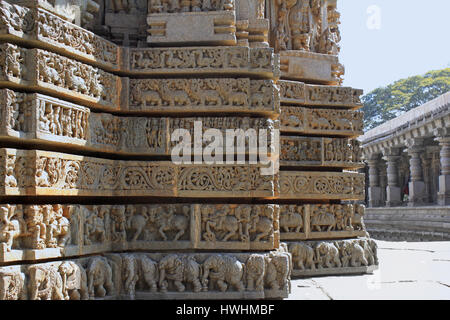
<point>291,220</point>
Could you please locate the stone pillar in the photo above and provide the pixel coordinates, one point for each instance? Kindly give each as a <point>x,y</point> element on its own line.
<point>417,189</point>
<point>374,182</point>
<point>443,137</point>
<point>393,192</point>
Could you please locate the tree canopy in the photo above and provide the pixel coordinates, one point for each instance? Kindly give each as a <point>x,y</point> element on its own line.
<point>389,102</point>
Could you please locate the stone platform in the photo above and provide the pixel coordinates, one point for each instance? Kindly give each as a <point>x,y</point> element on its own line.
<point>407,271</point>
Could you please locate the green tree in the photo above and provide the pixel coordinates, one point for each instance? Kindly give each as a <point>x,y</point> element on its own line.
<point>386,103</point>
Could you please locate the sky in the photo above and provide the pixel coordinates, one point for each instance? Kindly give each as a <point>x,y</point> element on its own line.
<point>387,40</point>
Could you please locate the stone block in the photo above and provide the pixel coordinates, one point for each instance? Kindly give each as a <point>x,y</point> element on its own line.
<point>417,193</point>
<point>75,230</point>
<point>50,32</point>
<point>444,190</point>
<point>328,122</point>
<point>299,93</point>
<point>46,72</point>
<point>43,173</point>
<point>325,258</point>
<point>298,185</point>
<point>393,196</point>
<point>211,95</point>
<point>192,28</point>
<point>151,275</point>
<point>306,222</point>
<point>320,152</point>
<point>375,196</point>
<point>235,60</point>
<point>46,121</point>
<point>310,67</point>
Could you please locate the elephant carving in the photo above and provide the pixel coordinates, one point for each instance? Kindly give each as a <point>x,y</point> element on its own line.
<point>149,269</point>
<point>255,270</point>
<point>179,269</point>
<point>327,255</point>
<point>74,281</point>
<point>100,278</point>
<point>12,285</point>
<point>45,283</point>
<point>224,272</point>
<point>302,256</point>
<point>130,274</point>
<point>353,254</point>
<point>278,270</point>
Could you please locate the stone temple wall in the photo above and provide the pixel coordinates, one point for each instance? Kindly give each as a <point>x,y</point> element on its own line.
<point>93,205</point>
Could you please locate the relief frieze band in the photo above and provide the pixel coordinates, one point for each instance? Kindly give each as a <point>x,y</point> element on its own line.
<point>297,185</point>
<point>35,172</point>
<point>260,62</point>
<point>42,29</point>
<point>299,93</point>
<point>34,232</point>
<point>152,276</point>
<point>328,122</point>
<point>322,221</point>
<point>204,95</point>
<point>40,70</point>
<point>320,152</point>
<point>326,258</point>
<point>39,118</point>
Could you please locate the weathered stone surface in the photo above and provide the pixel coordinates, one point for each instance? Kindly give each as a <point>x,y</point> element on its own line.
<point>299,93</point>
<point>311,67</point>
<point>426,223</point>
<point>34,232</point>
<point>204,95</point>
<point>44,30</point>
<point>301,185</point>
<point>46,72</point>
<point>36,118</point>
<point>308,26</point>
<point>151,276</point>
<point>320,152</point>
<point>35,172</point>
<point>326,122</point>
<point>260,62</point>
<point>192,28</point>
<point>326,221</point>
<point>324,258</point>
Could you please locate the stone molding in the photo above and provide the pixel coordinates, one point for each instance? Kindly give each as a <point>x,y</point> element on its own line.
<point>152,276</point>
<point>321,185</point>
<point>327,122</point>
<point>37,232</point>
<point>42,173</point>
<point>322,152</point>
<point>299,93</point>
<point>327,221</point>
<point>325,258</point>
<point>36,118</point>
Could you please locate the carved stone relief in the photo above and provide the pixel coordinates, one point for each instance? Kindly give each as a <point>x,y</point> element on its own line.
<point>321,185</point>
<point>325,152</point>
<point>151,275</point>
<point>321,121</point>
<point>333,257</point>
<point>43,173</point>
<point>324,221</point>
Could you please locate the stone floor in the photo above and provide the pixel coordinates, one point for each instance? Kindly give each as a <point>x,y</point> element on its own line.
<point>408,271</point>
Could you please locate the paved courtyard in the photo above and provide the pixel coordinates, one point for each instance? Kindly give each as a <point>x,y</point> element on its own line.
<point>410,271</point>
